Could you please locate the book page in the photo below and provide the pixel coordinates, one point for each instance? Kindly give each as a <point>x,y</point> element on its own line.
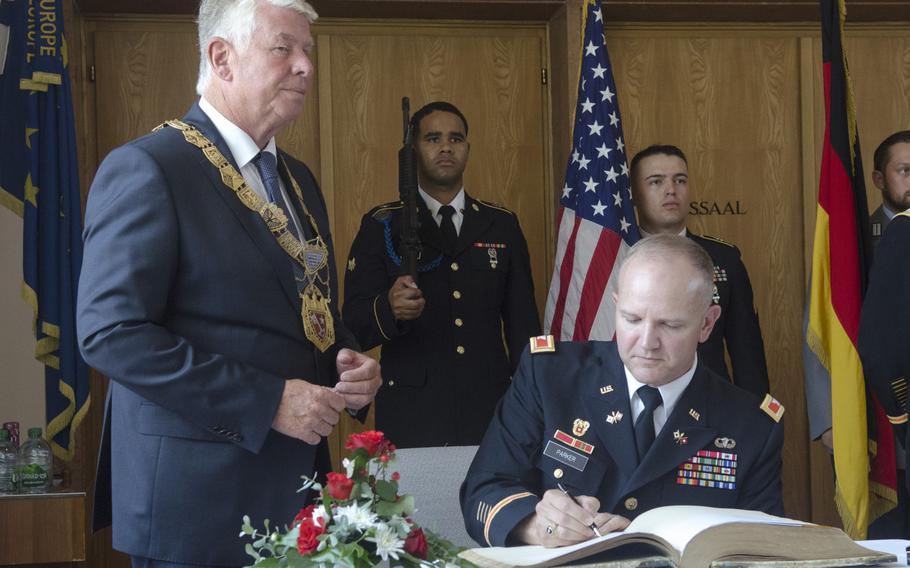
<point>679,524</point>
<point>533,555</point>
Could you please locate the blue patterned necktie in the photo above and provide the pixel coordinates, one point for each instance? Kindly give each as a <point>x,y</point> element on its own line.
<point>267,165</point>
<point>644,425</point>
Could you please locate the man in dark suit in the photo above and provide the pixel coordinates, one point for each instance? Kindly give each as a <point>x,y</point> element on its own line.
<point>451,340</point>
<point>208,297</point>
<point>593,434</point>
<point>660,189</point>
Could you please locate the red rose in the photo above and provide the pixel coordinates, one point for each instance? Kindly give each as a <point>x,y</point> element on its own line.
<point>339,486</point>
<point>396,476</point>
<point>305,513</point>
<point>372,441</point>
<point>416,544</point>
<point>306,539</point>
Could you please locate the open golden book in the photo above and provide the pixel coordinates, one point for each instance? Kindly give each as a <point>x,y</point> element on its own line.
<point>697,537</point>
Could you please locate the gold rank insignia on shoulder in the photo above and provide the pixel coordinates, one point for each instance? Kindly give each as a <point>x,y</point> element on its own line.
<point>352,264</point>
<point>543,344</point>
<point>772,407</point>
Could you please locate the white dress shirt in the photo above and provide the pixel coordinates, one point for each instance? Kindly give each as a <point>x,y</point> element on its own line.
<point>457,203</point>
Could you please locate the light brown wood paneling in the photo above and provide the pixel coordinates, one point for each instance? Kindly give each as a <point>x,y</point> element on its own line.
<point>492,75</point>
<point>731,102</point>
<point>144,75</point>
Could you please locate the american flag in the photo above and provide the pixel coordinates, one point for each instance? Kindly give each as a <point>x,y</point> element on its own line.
<point>596,220</point>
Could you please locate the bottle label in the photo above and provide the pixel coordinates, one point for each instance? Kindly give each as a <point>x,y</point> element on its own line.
<point>32,475</point>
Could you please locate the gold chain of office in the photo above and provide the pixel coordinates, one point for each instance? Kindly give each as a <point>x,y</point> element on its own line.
<point>311,255</point>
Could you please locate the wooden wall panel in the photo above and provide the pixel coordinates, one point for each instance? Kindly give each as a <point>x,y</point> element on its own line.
<point>492,75</point>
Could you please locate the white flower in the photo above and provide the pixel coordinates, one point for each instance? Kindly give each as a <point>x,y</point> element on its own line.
<point>319,515</point>
<point>348,467</point>
<point>387,543</point>
<point>358,516</point>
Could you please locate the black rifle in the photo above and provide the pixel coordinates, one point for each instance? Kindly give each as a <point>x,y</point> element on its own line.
<point>409,244</point>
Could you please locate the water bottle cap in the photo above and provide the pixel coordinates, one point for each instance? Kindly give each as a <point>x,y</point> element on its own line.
<point>4,434</point>
<point>34,432</point>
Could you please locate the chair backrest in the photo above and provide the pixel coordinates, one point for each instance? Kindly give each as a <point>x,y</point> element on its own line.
<point>433,476</point>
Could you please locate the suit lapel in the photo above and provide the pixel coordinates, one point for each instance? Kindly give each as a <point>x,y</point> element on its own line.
<point>249,220</point>
<point>475,222</point>
<point>684,433</point>
<point>606,396</point>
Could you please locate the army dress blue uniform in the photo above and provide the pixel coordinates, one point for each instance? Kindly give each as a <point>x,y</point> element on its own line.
<point>738,322</point>
<point>444,372</point>
<point>567,420</point>
<point>884,329</point>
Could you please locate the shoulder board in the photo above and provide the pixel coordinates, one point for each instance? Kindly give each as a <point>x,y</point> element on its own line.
<point>381,212</point>
<point>772,407</point>
<point>496,206</point>
<point>543,344</point>
<point>717,240</point>
<point>903,213</point>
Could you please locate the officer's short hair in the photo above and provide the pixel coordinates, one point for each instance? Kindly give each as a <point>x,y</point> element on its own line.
<point>664,247</point>
<point>235,21</point>
<point>654,150</point>
<point>883,153</point>
<point>435,106</point>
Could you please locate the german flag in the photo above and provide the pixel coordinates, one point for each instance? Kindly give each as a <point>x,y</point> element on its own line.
<point>864,464</point>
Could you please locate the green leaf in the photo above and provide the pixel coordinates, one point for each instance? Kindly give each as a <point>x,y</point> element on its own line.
<point>386,491</point>
<point>403,507</point>
<point>267,563</point>
<point>251,551</point>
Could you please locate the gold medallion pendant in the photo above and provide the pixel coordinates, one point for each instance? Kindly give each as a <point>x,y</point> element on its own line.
<point>317,318</point>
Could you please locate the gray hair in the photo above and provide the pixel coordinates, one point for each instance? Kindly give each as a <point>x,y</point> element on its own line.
<point>664,247</point>
<point>235,21</point>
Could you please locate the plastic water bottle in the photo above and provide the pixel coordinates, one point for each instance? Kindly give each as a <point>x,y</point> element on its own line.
<point>8,460</point>
<point>35,471</point>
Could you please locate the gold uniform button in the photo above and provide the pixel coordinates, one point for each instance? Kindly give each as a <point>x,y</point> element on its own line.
<point>458,322</point>
<point>557,473</point>
<point>456,294</point>
<point>631,504</point>
<point>460,350</point>
<point>454,266</point>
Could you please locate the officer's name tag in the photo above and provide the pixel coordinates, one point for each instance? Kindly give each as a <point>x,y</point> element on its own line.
<point>569,457</point>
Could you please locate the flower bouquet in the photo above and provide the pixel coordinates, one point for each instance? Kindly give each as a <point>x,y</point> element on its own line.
<point>357,521</point>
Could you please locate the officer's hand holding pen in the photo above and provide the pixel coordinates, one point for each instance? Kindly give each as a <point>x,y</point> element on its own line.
<point>591,526</point>
<point>561,519</point>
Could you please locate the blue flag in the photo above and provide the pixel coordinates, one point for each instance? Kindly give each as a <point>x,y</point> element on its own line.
<point>39,181</point>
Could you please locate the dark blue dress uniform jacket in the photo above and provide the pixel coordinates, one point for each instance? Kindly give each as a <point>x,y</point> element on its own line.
<point>520,457</point>
<point>444,372</point>
<point>738,323</point>
<point>884,330</point>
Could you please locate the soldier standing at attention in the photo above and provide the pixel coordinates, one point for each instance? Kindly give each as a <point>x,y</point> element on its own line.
<point>450,341</point>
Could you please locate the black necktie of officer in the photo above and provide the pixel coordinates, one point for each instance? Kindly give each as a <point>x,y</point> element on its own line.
<point>267,165</point>
<point>644,425</point>
<point>449,235</point>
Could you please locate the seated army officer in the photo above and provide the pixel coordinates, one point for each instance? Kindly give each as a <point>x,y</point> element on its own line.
<point>591,434</point>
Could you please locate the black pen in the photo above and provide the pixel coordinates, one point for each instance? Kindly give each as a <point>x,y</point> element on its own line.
<point>592,526</point>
